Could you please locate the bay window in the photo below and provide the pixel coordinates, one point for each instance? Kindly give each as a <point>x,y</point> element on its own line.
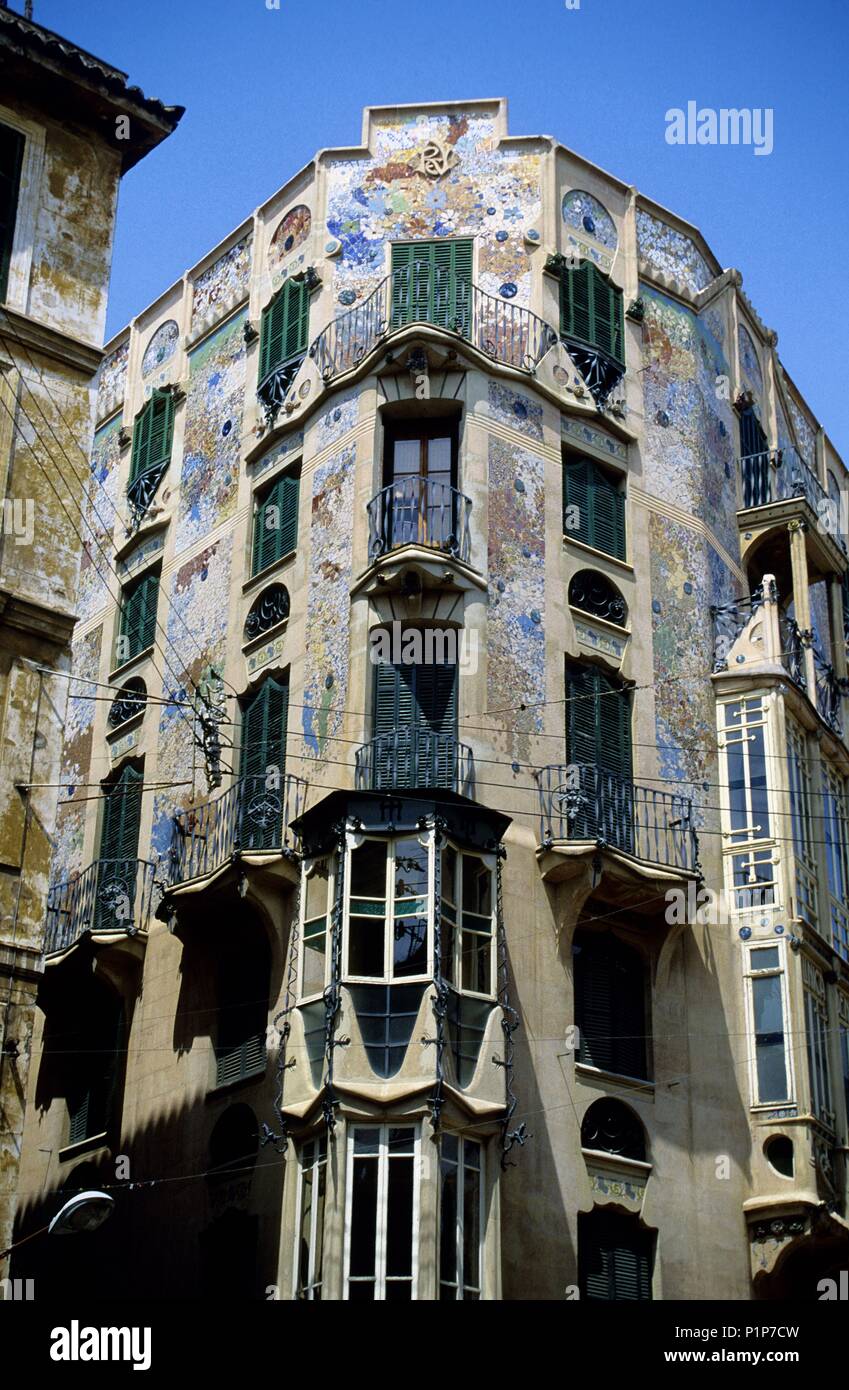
<point>767,1003</point>
<point>749,837</point>
<point>381,1219</point>
<point>816,1034</point>
<point>467,934</point>
<point>317,899</point>
<point>836,856</point>
<point>312,1195</point>
<point>461,1216</point>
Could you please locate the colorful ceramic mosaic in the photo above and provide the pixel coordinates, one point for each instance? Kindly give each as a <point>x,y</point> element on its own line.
<point>196,632</point>
<point>102,503</point>
<point>515,410</point>
<point>328,601</point>
<point>112,379</point>
<point>214,404</point>
<point>806,433</point>
<point>820,621</point>
<point>290,234</point>
<point>76,756</point>
<point>671,252</point>
<point>293,444</point>
<point>384,198</point>
<point>587,437</point>
<point>340,417</point>
<point>161,347</point>
<point>516,625</point>
<point>587,215</point>
<point>690,428</point>
<point>586,251</point>
<point>142,555</point>
<point>223,284</point>
<point>750,367</point>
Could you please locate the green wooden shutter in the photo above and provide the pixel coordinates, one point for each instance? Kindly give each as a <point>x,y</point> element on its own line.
<point>576,494</point>
<point>94,1058</point>
<point>11,159</point>
<point>436,714</point>
<point>272,542</point>
<point>243,990</point>
<point>284,326</point>
<point>153,434</point>
<point>598,739</point>
<point>138,613</point>
<point>610,1005</point>
<point>591,310</point>
<point>432,283</point>
<point>607,320</point>
<point>119,849</point>
<point>264,728</point>
<point>614,1257</point>
<point>575,307</point>
<point>600,504</point>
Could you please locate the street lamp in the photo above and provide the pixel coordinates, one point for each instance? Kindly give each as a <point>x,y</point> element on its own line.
<point>85,1211</point>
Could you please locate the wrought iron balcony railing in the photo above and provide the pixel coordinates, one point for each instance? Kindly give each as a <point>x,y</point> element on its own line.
<point>780,474</point>
<point>274,386</point>
<point>110,895</point>
<point>830,691</point>
<point>142,490</point>
<point>415,758</point>
<point>582,802</point>
<point>249,816</point>
<point>729,620</point>
<point>419,511</point>
<point>506,332</point>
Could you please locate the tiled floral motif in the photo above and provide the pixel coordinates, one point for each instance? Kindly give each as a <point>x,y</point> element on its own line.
<point>516,624</point>
<point>515,410</point>
<point>585,250</point>
<point>76,757</point>
<point>587,215</point>
<point>581,435</point>
<point>340,417</point>
<point>222,284</point>
<point>291,233</point>
<point>161,347</point>
<point>195,636</point>
<point>328,601</point>
<point>383,198</point>
<point>112,378</point>
<point>805,433</point>
<point>690,428</point>
<point>142,555</point>
<point>214,405</point>
<point>750,367</point>
<point>671,252</point>
<point>292,445</point>
<point>714,321</point>
<point>102,501</point>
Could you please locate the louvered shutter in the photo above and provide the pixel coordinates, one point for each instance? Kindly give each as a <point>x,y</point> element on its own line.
<point>284,327</point>
<point>575,308</point>
<point>288,488</point>
<point>296,332</point>
<point>276,523</point>
<point>264,727</point>
<point>11,158</point>
<point>272,335</point>
<point>606,513</point>
<point>591,310</point>
<point>436,720</point>
<point>152,435</point>
<point>432,283</point>
<point>243,1012</point>
<point>607,317</point>
<point>577,474</point>
<point>119,847</point>
<point>138,613</point>
<point>614,1257</point>
<point>594,1013</point>
<point>598,740</point>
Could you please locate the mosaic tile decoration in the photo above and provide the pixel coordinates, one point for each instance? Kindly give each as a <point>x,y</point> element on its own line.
<point>161,347</point>
<point>328,601</point>
<point>671,252</point>
<point>337,420</point>
<point>290,234</point>
<point>820,621</point>
<point>384,198</point>
<point>293,444</point>
<point>222,284</point>
<point>588,252</point>
<point>690,431</point>
<point>141,555</point>
<point>586,436</point>
<point>76,758</point>
<point>805,432</point>
<point>516,622</point>
<point>584,213</point>
<point>215,400</point>
<point>103,496</point>
<point>196,632</point>
<point>513,409</point>
<point>112,379</point>
<point>750,366</point>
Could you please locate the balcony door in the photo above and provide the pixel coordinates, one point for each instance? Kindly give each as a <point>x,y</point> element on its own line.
<point>263,766</point>
<point>119,847</point>
<point>754,451</point>
<point>599,789</point>
<point>415,726</point>
<point>432,283</point>
<point>420,476</point>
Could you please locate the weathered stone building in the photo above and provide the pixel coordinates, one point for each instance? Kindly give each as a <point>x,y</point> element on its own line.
<point>69,128</point>
<point>481,602</point>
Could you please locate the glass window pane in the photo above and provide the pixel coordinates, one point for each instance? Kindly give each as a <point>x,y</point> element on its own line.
<point>446,950</point>
<point>477,955</point>
<point>406,459</point>
<point>439,459</point>
<point>363,1217</point>
<point>449,874</point>
<point>306,1223</point>
<point>471,1228</point>
<point>769,1038</point>
<point>316,891</point>
<point>366,947</point>
<point>410,946</point>
<point>448,1223</point>
<point>399,1218</point>
<point>411,862</point>
<point>314,962</point>
<point>764,958</point>
<point>477,886</point>
<point>402,1141</point>
<point>368,870</point>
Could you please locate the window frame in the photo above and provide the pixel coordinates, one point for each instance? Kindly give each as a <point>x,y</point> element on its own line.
<point>261,496</point>
<point>458,1284</point>
<point>834,792</point>
<point>308,866</point>
<point>455,981</point>
<point>355,841</point>
<point>317,1166</point>
<point>801,793</point>
<point>749,844</point>
<point>380,1244</point>
<point>16,294</point>
<point>750,974</point>
<point>816,1013</point>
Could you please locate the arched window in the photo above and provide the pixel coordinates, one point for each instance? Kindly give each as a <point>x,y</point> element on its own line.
<point>129,701</point>
<point>594,593</point>
<point>269,609</point>
<point>244,984</point>
<point>610,1004</point>
<point>615,1256</point>
<point>613,1128</point>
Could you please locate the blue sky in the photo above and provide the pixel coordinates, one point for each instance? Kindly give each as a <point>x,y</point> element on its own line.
<point>265,88</point>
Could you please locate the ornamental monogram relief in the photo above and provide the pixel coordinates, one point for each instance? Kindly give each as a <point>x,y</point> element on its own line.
<point>435,159</point>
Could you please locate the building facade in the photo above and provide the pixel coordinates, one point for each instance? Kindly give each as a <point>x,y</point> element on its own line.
<point>69,128</point>
<point>463,910</point>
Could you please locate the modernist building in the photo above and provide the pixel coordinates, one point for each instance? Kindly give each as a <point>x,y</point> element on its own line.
<point>481,605</point>
<point>69,128</point>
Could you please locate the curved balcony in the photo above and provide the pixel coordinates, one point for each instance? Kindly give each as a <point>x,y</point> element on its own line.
<point>250,817</point>
<point>780,475</point>
<point>419,511</point>
<point>505,332</point>
<point>583,803</point>
<point>414,758</point>
<point>111,895</point>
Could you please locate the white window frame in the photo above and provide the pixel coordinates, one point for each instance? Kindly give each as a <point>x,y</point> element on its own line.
<point>383,1160</point>
<point>800,785</point>
<point>308,866</point>
<point>835,785</point>
<point>316,1237</point>
<point>750,840</point>
<point>816,1043</point>
<point>489,862</point>
<point>843,1048</point>
<point>354,841</point>
<point>29,196</point>
<point>751,974</point>
<point>459,1284</point>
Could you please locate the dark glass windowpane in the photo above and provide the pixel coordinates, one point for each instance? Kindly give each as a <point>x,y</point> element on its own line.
<point>363,1217</point>
<point>411,864</point>
<point>471,1228</point>
<point>410,946</point>
<point>365,947</point>
<point>449,874</point>
<point>399,1218</point>
<point>448,1222</point>
<point>368,870</point>
<point>477,886</point>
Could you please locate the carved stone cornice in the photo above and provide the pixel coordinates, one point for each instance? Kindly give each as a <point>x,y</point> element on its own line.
<point>40,620</point>
<point>33,336</point>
